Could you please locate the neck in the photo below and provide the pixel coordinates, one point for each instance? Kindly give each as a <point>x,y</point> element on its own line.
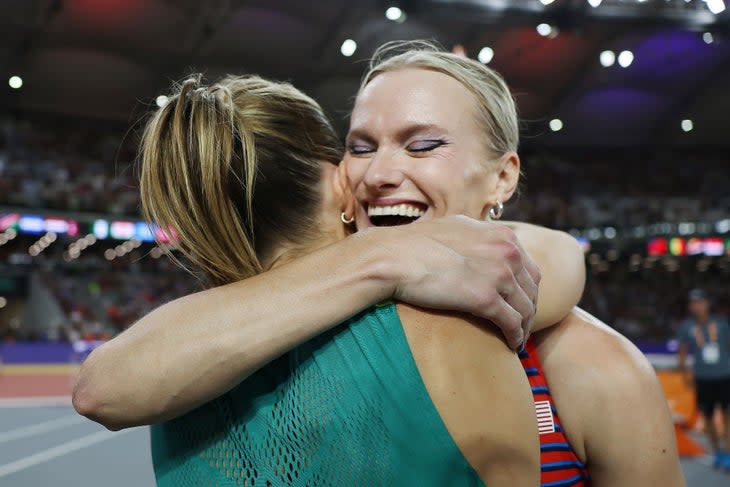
<point>288,253</point>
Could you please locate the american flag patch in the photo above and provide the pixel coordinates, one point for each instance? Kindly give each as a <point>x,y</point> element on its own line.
<point>545,421</point>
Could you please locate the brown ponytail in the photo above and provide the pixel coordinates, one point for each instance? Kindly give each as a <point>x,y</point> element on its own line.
<point>234,169</point>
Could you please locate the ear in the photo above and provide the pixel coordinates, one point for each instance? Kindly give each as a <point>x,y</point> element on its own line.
<point>343,187</point>
<point>508,176</point>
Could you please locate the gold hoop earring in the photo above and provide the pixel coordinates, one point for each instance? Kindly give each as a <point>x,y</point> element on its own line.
<point>345,220</point>
<point>495,212</point>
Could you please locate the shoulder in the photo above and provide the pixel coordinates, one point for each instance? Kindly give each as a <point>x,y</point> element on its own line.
<point>596,375</point>
<point>600,351</point>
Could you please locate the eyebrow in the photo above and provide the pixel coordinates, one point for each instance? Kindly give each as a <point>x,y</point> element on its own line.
<point>402,134</point>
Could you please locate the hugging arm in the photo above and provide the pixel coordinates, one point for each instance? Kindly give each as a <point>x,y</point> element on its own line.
<point>197,347</point>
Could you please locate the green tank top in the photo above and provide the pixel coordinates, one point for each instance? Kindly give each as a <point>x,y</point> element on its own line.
<point>348,408</point>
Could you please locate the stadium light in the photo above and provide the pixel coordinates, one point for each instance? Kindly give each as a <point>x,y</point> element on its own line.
<point>162,100</point>
<point>486,54</point>
<point>607,58</point>
<point>625,59</point>
<point>3,302</point>
<point>348,47</point>
<point>687,125</point>
<point>716,6</point>
<point>544,29</point>
<point>708,38</point>
<point>546,2</point>
<point>395,14</point>
<point>594,3</point>
<point>15,82</point>
<point>556,125</point>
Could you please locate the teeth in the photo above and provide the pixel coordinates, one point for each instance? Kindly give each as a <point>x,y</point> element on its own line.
<point>395,210</point>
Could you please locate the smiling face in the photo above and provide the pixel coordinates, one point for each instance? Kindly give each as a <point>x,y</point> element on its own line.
<point>416,150</point>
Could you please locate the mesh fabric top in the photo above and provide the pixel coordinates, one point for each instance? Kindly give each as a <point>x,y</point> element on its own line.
<point>347,408</point>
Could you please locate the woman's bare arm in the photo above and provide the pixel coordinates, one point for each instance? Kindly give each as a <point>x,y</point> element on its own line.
<point>562,265</point>
<point>195,348</point>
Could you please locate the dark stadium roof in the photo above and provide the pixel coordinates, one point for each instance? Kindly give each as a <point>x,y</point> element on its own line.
<point>105,58</point>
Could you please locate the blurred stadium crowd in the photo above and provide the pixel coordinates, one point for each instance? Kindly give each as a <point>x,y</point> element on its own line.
<point>614,202</point>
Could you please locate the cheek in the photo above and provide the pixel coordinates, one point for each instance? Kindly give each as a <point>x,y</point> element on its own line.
<point>447,183</point>
<point>355,173</point>
<point>471,188</point>
<point>469,176</point>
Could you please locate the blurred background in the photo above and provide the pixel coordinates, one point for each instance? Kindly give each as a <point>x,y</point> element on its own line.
<point>625,145</point>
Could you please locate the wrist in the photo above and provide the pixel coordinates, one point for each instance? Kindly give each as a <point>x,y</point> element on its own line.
<point>379,265</point>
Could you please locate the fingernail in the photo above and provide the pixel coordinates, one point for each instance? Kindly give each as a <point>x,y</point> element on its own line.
<point>521,347</point>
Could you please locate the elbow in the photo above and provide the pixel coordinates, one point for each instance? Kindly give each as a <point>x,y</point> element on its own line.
<point>90,400</point>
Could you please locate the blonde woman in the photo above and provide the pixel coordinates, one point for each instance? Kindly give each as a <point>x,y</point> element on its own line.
<point>409,142</point>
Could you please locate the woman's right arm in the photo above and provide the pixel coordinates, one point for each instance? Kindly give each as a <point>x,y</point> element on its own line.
<point>197,347</point>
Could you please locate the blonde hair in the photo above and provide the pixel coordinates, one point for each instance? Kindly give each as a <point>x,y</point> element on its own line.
<point>497,112</point>
<point>233,169</point>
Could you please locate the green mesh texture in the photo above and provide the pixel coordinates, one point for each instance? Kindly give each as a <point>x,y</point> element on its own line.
<point>345,409</point>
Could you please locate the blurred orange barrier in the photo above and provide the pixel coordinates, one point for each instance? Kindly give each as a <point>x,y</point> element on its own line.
<point>683,405</point>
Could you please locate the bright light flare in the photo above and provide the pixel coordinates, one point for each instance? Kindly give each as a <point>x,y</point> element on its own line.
<point>348,47</point>
<point>625,59</point>
<point>607,58</point>
<point>556,125</point>
<point>15,82</point>
<point>486,54</point>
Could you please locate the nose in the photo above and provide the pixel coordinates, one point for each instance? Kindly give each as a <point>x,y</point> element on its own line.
<point>383,173</point>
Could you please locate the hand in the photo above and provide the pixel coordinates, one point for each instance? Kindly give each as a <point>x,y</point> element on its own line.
<point>461,264</point>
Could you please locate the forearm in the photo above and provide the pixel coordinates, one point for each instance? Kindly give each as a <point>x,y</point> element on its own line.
<point>197,347</point>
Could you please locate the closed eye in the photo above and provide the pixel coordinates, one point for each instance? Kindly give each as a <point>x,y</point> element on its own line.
<point>360,149</point>
<point>425,145</point>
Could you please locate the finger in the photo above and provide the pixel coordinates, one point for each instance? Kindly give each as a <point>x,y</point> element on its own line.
<point>507,319</point>
<point>532,268</point>
<point>523,304</point>
<point>527,283</point>
<point>526,261</point>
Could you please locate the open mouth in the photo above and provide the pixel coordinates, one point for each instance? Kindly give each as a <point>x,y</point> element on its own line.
<point>392,215</point>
